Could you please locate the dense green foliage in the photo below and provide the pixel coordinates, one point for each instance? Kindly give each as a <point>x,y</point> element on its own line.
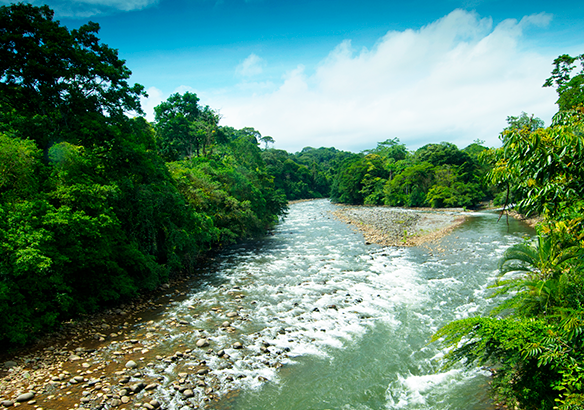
<point>533,340</point>
<point>306,174</point>
<point>570,87</point>
<point>89,211</point>
<point>436,175</point>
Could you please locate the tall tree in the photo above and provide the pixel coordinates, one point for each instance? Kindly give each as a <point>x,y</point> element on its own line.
<point>184,128</point>
<point>57,84</point>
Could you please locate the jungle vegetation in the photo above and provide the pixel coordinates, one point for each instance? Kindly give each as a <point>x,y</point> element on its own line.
<point>97,204</point>
<point>436,175</point>
<point>533,340</point>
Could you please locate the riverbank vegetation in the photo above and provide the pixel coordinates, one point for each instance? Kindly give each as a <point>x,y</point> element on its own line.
<point>533,340</point>
<point>436,175</point>
<point>97,204</point>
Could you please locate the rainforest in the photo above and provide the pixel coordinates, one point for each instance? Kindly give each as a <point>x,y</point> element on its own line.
<point>99,206</point>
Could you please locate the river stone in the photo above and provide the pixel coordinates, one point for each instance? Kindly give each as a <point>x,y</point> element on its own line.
<point>202,343</point>
<point>74,358</point>
<point>8,403</point>
<point>25,397</point>
<point>125,399</point>
<point>237,345</point>
<point>155,403</point>
<point>136,388</point>
<point>131,364</point>
<point>188,393</point>
<point>232,314</point>
<point>151,386</point>
<point>225,324</point>
<point>202,372</point>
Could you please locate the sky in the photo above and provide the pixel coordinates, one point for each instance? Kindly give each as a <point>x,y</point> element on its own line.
<point>344,73</point>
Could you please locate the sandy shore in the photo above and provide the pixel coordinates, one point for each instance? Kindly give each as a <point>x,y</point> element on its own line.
<point>399,227</point>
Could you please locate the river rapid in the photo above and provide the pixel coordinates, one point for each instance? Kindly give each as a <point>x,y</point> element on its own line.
<point>327,322</point>
<point>309,317</point>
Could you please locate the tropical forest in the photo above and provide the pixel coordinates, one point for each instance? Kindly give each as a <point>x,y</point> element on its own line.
<point>99,207</point>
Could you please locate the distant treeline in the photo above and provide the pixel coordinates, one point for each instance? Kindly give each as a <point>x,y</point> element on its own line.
<point>436,175</point>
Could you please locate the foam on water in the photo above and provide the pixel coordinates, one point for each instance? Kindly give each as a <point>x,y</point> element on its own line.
<point>315,290</point>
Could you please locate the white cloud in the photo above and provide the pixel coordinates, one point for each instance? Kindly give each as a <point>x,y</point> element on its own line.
<point>88,8</point>
<point>456,79</point>
<point>155,97</point>
<point>251,66</point>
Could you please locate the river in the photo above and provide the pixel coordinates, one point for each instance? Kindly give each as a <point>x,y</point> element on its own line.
<point>327,322</point>
<point>307,318</point>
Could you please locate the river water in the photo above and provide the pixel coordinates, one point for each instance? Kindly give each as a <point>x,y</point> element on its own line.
<point>327,322</point>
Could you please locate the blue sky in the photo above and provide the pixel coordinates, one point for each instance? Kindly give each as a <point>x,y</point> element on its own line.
<point>345,73</point>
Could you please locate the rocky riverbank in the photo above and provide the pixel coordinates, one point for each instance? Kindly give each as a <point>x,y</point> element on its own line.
<point>399,227</point>
<point>115,360</point>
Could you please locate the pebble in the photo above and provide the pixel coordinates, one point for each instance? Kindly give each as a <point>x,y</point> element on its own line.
<point>188,393</point>
<point>131,364</point>
<point>237,345</point>
<point>202,343</point>
<point>136,388</point>
<point>25,397</point>
<point>155,403</point>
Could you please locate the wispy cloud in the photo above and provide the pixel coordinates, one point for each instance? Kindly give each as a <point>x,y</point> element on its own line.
<point>251,66</point>
<point>88,8</point>
<point>456,79</point>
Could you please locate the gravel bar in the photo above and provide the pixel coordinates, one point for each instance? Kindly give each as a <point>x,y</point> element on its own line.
<point>399,227</point>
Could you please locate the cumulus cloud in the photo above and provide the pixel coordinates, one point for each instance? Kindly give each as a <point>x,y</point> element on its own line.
<point>456,79</point>
<point>88,8</point>
<point>251,66</point>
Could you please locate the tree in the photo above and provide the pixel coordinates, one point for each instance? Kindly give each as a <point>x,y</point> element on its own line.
<point>531,123</point>
<point>57,84</point>
<point>267,140</point>
<point>184,129</point>
<point>570,87</point>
